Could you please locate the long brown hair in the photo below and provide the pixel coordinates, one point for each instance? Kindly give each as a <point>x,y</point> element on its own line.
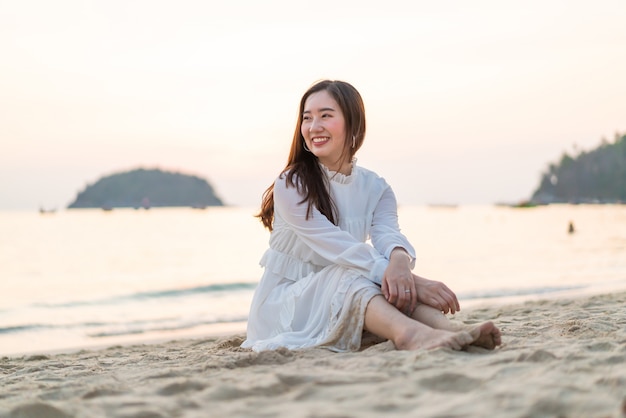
<point>303,170</point>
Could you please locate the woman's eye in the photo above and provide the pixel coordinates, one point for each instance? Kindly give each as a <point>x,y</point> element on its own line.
<point>306,117</point>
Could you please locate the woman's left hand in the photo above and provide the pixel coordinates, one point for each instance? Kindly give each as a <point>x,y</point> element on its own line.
<point>398,285</point>
<point>436,294</point>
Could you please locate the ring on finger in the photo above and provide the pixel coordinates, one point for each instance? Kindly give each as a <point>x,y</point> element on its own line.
<point>407,291</point>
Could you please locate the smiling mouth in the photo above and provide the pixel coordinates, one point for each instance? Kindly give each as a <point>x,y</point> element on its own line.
<point>320,140</point>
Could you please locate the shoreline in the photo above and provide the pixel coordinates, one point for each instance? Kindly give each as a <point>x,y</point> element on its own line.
<point>230,328</point>
<point>560,357</point>
<point>212,331</point>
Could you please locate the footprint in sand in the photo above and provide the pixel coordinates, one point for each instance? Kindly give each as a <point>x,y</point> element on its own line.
<point>181,387</point>
<point>38,410</point>
<point>538,356</point>
<point>450,382</point>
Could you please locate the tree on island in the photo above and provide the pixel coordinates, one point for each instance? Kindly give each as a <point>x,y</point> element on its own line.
<point>147,188</point>
<point>596,176</point>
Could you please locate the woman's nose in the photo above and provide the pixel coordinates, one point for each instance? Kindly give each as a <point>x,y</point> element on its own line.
<point>315,125</point>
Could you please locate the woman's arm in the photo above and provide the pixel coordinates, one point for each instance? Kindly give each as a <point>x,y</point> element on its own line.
<point>398,285</point>
<point>325,238</point>
<point>385,231</point>
<point>398,277</point>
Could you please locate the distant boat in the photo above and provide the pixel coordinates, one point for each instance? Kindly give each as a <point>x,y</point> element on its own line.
<point>45,211</point>
<point>107,208</point>
<point>521,204</point>
<point>525,204</point>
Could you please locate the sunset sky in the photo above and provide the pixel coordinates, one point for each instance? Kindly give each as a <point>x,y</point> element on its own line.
<point>467,101</point>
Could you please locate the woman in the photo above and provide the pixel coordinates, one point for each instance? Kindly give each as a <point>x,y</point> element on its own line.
<point>323,284</point>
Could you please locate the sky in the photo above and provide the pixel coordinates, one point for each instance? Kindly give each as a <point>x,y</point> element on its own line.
<point>467,102</point>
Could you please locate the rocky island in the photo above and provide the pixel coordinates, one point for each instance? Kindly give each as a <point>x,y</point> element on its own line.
<point>147,188</point>
<point>596,176</point>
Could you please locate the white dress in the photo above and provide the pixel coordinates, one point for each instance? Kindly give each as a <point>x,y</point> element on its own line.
<point>319,277</point>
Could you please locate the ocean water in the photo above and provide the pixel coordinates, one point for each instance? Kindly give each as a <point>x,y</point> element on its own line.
<point>88,278</point>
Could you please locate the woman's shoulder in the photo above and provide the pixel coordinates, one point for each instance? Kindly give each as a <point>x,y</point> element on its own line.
<point>287,180</point>
<point>362,171</point>
<point>287,175</point>
<point>370,177</point>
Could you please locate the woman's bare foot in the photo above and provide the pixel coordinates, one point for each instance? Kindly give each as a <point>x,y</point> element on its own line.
<point>486,335</point>
<point>428,328</point>
<point>428,338</point>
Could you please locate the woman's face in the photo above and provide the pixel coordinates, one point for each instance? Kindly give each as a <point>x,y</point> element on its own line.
<point>323,129</point>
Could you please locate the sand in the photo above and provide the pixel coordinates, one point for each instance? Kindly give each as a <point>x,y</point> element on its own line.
<point>559,358</point>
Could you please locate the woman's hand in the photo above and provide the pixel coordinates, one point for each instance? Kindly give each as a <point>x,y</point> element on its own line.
<point>436,294</point>
<point>398,285</point>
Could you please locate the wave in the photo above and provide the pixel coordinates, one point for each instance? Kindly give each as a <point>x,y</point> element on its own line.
<point>21,328</point>
<point>215,289</point>
<point>503,293</point>
<point>109,329</point>
<point>101,329</point>
<point>158,327</point>
<point>133,313</point>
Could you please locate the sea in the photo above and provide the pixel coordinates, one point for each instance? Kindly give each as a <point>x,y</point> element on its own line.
<point>86,278</point>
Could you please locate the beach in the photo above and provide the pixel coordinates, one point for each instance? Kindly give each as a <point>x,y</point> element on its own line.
<point>559,358</point>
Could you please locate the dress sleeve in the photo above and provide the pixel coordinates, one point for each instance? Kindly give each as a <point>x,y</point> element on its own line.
<point>385,232</point>
<point>325,238</point>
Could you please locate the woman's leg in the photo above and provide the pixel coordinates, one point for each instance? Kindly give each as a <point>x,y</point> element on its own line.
<point>488,334</point>
<point>384,320</point>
